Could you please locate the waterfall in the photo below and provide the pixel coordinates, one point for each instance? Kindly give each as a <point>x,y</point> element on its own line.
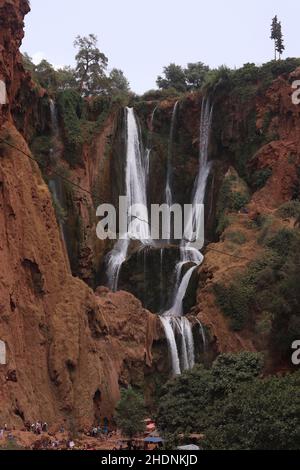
<point>187,252</point>
<point>54,118</point>
<point>188,333</point>
<point>149,145</point>
<point>183,328</point>
<point>202,335</point>
<point>169,332</point>
<point>177,308</point>
<point>168,191</point>
<point>161,277</point>
<point>184,352</point>
<point>136,192</point>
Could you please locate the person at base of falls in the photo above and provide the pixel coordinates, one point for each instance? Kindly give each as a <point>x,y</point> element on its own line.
<point>45,427</point>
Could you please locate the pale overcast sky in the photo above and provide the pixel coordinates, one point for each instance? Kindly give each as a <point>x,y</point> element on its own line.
<point>142,36</point>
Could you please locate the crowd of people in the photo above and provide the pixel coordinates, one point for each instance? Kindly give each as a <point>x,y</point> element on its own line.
<point>37,435</point>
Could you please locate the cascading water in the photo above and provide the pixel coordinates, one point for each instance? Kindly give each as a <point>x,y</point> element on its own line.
<point>136,192</point>
<point>188,333</point>
<point>54,118</point>
<point>168,191</point>
<point>149,145</point>
<point>177,308</point>
<point>169,332</point>
<point>187,252</point>
<point>202,335</point>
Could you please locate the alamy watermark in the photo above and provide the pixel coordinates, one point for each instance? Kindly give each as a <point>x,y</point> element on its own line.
<point>296,353</point>
<point>164,223</point>
<point>2,92</point>
<point>296,93</point>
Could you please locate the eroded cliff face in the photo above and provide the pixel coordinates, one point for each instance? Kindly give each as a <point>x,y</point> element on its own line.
<point>274,156</point>
<point>68,350</point>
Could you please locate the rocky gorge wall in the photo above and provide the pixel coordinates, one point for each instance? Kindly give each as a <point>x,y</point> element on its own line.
<point>68,350</point>
<point>70,344</point>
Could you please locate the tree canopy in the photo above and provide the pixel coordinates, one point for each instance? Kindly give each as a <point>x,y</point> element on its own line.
<point>89,76</point>
<point>91,65</point>
<point>188,79</point>
<point>233,406</point>
<point>277,37</point>
<point>130,413</point>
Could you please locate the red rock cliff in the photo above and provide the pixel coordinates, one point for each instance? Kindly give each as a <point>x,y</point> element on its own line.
<point>68,350</point>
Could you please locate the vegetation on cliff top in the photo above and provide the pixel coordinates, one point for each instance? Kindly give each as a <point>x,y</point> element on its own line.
<point>89,77</point>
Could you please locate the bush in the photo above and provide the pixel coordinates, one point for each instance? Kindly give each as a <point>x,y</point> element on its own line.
<point>236,237</point>
<point>260,178</point>
<point>289,210</point>
<point>282,241</point>
<point>231,199</point>
<point>236,301</point>
<point>223,223</point>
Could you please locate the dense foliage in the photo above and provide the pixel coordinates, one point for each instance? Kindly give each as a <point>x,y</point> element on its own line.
<point>233,406</point>
<point>244,81</point>
<point>130,413</point>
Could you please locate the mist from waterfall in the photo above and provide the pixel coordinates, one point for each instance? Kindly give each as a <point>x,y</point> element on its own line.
<point>136,192</point>
<point>188,254</point>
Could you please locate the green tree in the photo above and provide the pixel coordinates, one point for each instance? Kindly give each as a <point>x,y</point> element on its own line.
<point>91,65</point>
<point>174,77</point>
<point>274,32</point>
<point>260,415</point>
<point>233,406</point>
<point>118,82</point>
<point>277,37</point>
<point>185,402</point>
<point>46,75</point>
<point>66,78</point>
<point>195,75</point>
<point>130,413</point>
<point>280,47</point>
<point>28,64</point>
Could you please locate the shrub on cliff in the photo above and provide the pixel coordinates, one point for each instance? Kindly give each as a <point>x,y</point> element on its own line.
<point>289,210</point>
<point>233,196</point>
<point>260,178</point>
<point>235,300</point>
